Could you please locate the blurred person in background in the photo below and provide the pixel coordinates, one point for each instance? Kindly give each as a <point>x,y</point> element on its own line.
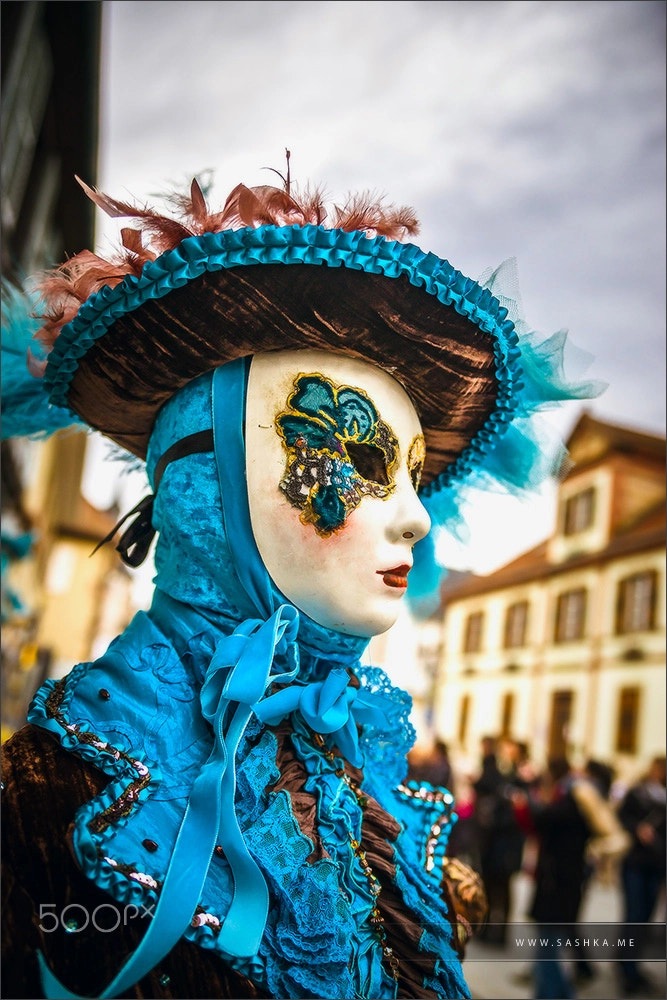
<point>463,841</point>
<point>435,768</point>
<point>501,839</point>
<point>575,827</point>
<point>527,771</point>
<point>562,834</point>
<point>602,776</point>
<point>642,814</point>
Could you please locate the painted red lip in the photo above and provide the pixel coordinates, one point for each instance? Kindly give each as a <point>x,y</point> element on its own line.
<point>396,577</point>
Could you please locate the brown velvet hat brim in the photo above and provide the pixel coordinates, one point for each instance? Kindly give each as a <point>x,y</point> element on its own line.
<point>444,359</point>
<point>150,353</point>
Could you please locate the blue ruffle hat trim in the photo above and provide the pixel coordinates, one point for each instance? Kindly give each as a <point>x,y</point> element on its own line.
<point>512,452</point>
<point>512,456</point>
<point>314,245</point>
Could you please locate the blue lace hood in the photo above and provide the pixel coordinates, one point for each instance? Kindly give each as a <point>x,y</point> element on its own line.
<point>198,561</point>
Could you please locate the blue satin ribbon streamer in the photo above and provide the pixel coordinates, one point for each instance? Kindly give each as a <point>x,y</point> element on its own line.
<point>237,676</point>
<point>250,652</point>
<point>228,394</point>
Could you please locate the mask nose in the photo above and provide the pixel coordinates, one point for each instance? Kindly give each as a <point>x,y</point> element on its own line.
<point>411,521</point>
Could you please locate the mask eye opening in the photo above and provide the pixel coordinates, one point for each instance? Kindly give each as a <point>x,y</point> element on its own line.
<point>369,461</point>
<point>415,476</point>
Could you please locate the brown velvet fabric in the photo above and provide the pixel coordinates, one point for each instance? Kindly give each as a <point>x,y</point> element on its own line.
<point>43,788</point>
<point>379,831</point>
<point>444,361</point>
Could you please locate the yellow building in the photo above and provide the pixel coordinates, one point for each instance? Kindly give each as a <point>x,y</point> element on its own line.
<point>68,606</point>
<point>564,647</point>
<point>58,605</point>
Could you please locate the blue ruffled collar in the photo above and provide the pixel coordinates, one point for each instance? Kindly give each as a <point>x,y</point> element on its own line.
<point>137,715</point>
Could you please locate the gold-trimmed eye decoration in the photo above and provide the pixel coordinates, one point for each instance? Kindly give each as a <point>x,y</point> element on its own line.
<point>338,451</point>
<point>416,459</point>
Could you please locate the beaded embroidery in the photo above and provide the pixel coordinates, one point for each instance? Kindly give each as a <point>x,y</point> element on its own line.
<point>440,817</point>
<point>338,451</point>
<point>128,799</point>
<point>201,916</point>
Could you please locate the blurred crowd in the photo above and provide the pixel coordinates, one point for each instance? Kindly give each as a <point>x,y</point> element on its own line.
<point>562,826</point>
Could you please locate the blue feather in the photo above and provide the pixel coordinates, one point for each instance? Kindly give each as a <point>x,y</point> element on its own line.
<point>26,411</point>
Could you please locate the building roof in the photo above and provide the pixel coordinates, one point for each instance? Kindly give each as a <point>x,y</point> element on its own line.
<point>594,441</point>
<point>533,565</point>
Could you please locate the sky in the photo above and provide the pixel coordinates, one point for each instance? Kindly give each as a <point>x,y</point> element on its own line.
<point>527,130</point>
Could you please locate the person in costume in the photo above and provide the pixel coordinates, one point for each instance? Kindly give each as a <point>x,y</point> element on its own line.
<point>218,806</point>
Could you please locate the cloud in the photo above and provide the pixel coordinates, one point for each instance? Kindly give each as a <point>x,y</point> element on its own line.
<point>527,129</point>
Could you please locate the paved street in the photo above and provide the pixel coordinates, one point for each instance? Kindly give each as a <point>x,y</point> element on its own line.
<point>492,978</point>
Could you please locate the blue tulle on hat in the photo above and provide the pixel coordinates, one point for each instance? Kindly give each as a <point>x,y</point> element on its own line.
<point>26,410</point>
<point>518,462</point>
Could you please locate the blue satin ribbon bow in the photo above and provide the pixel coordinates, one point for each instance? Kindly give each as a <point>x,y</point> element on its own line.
<point>329,707</point>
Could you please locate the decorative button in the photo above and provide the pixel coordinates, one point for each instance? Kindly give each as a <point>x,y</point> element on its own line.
<point>150,845</point>
<point>103,694</point>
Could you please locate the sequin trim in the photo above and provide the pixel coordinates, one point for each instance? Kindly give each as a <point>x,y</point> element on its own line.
<point>123,805</point>
<point>376,919</point>
<point>438,804</point>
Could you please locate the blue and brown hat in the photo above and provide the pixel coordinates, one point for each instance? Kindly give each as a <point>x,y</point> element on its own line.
<point>275,270</point>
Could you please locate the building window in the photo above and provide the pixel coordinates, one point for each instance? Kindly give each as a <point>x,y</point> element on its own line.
<point>507,714</point>
<point>579,511</point>
<point>635,607</point>
<point>570,615</point>
<point>26,100</point>
<point>561,713</point>
<point>626,723</point>
<point>429,655</point>
<point>516,621</point>
<point>472,640</point>
<point>464,714</point>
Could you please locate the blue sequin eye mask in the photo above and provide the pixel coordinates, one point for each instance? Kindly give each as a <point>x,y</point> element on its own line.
<point>339,450</point>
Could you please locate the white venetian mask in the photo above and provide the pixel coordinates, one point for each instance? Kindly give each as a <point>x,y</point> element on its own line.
<point>334,450</point>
